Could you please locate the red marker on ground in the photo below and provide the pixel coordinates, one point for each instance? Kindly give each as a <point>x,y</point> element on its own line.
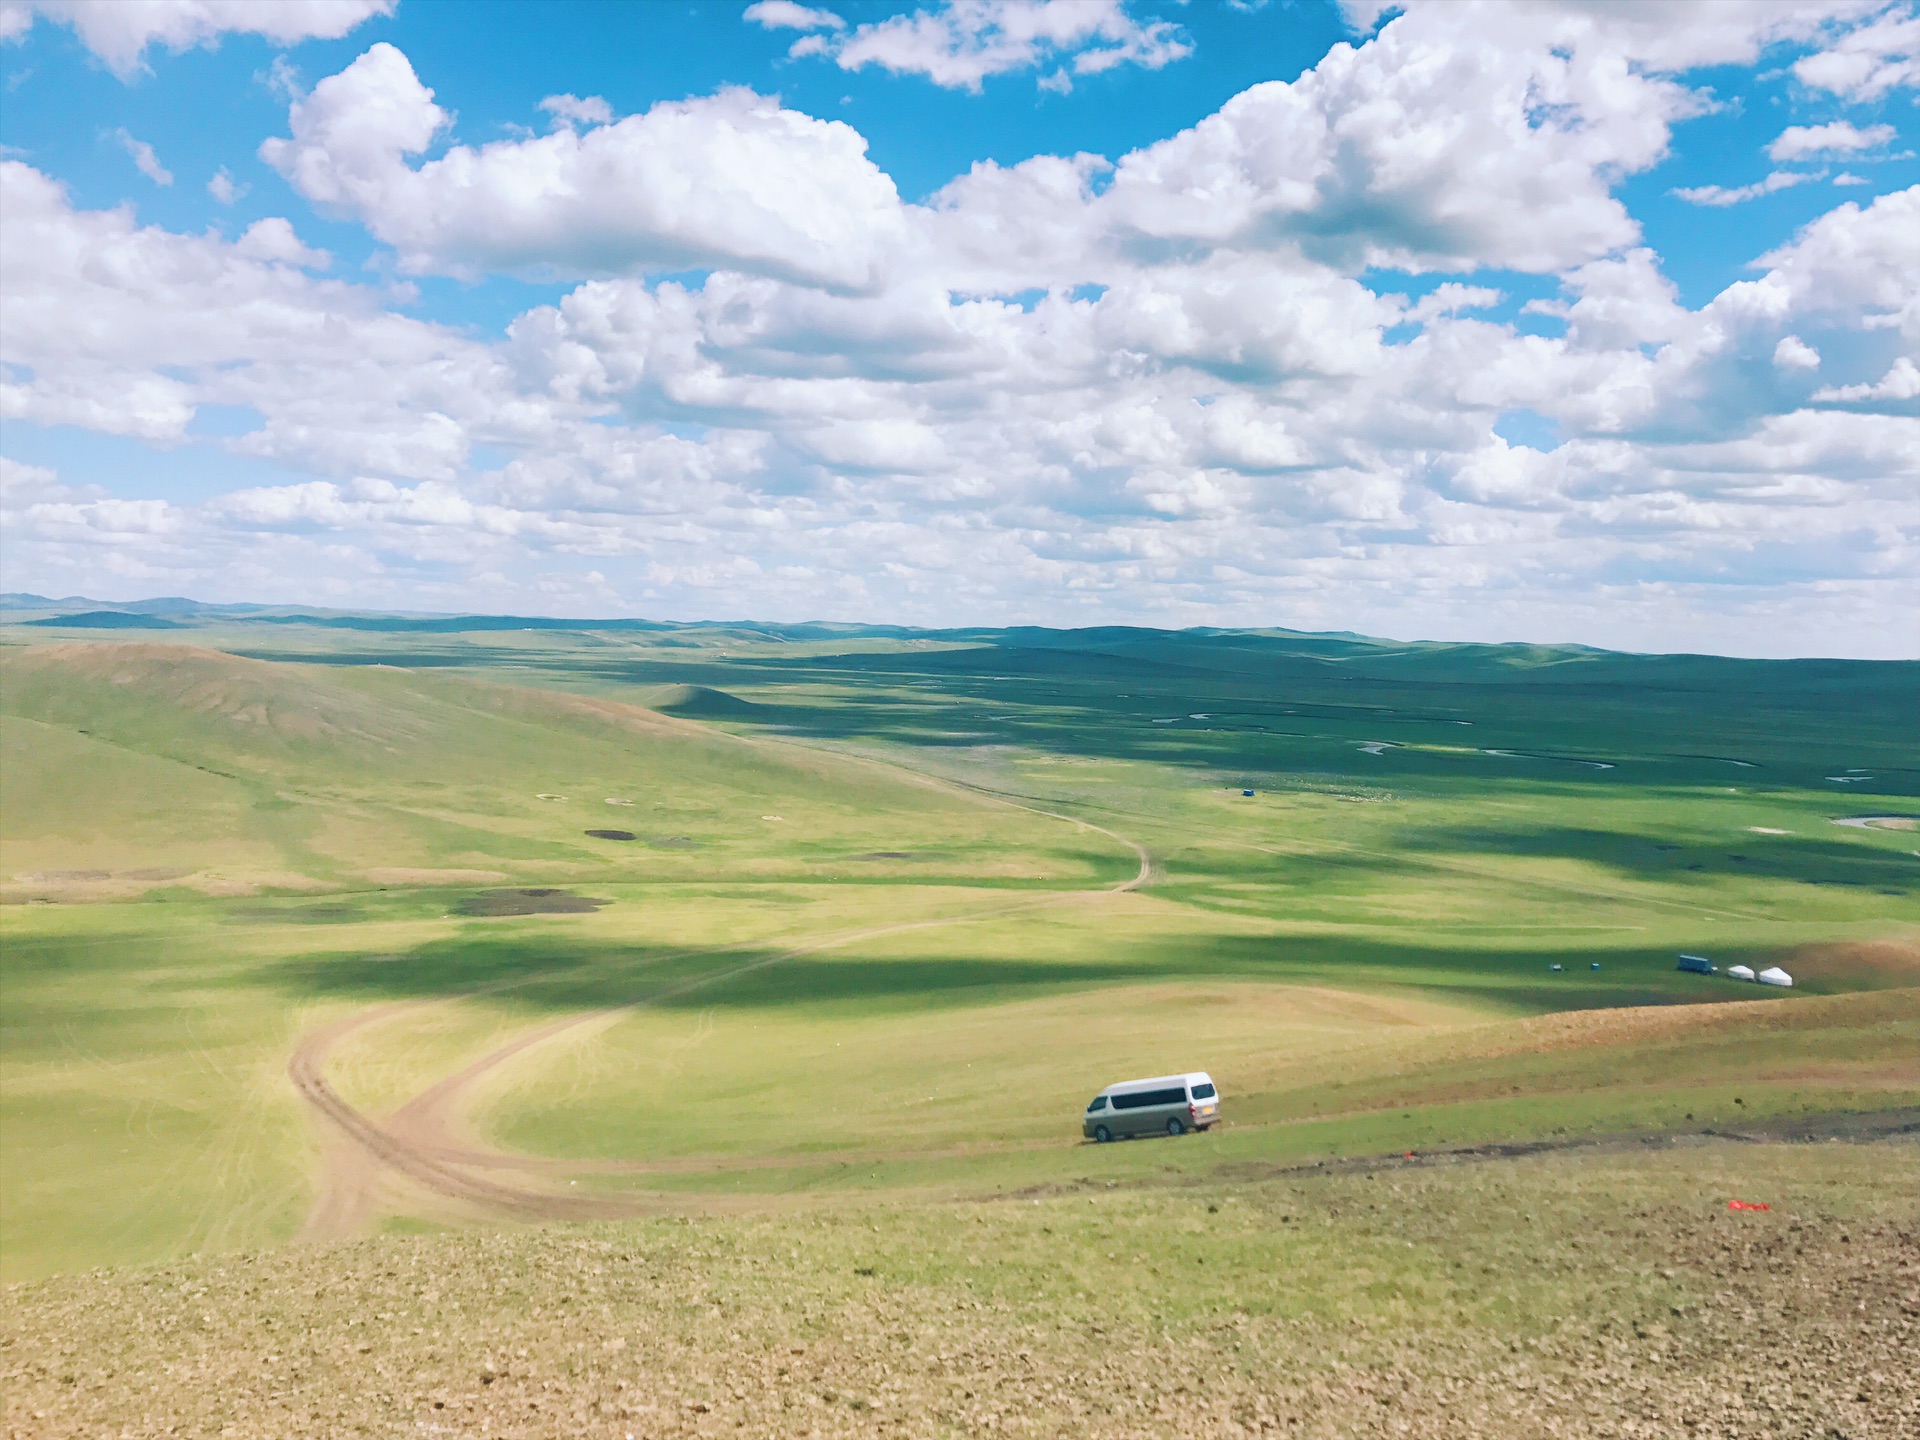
<point>1746,1205</point>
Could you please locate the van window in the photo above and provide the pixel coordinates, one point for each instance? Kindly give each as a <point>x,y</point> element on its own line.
<point>1203,1091</point>
<point>1099,1103</point>
<point>1141,1099</point>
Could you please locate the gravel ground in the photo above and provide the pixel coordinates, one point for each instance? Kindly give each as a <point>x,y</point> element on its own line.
<point>1546,1296</point>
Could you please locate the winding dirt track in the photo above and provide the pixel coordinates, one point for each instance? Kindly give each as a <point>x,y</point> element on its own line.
<point>421,1145</point>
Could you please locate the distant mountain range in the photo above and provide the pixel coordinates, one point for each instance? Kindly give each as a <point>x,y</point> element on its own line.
<point>174,612</point>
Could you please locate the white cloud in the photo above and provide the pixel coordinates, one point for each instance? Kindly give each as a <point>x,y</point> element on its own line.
<point>1865,62</point>
<point>128,329</point>
<point>223,188</point>
<point>1417,148</point>
<point>1853,263</point>
<point>961,43</point>
<point>786,15</point>
<point>1793,353</point>
<point>1450,298</point>
<point>1839,138</point>
<point>730,180</point>
<point>35,505</point>
<point>1901,382</point>
<point>1622,303</point>
<point>120,32</point>
<point>573,110</point>
<point>272,239</point>
<point>144,160</point>
<point>1068,389</point>
<point>1720,196</point>
<point>22,484</point>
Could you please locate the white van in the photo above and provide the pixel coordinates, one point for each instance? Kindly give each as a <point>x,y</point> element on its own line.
<point>1164,1105</point>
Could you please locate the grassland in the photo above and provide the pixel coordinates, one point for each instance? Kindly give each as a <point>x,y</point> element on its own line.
<point>893,906</point>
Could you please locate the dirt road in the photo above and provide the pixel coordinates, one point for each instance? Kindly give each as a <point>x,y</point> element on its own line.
<point>425,1145</point>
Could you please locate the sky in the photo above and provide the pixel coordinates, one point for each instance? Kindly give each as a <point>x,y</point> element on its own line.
<point>1555,322</point>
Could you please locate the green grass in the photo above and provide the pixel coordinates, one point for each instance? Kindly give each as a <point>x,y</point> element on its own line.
<point>207,856</point>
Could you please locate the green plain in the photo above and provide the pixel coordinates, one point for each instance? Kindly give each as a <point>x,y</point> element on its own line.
<point>208,852</point>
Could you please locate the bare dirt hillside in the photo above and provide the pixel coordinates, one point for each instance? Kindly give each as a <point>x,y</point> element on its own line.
<point>1573,1295</point>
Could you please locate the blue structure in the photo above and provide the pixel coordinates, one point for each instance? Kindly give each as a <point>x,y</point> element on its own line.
<point>1695,965</point>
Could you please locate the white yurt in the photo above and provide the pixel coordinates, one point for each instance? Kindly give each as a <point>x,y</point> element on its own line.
<point>1740,972</point>
<point>1774,975</point>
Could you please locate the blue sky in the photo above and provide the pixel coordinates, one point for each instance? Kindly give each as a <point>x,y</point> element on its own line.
<point>1547,321</point>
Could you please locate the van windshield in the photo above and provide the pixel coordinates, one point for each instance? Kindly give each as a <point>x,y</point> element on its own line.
<point>1099,1103</point>
<point>1203,1091</point>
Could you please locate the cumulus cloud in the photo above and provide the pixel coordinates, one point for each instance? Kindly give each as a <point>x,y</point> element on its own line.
<point>223,187</point>
<point>1838,138</point>
<point>1793,353</point>
<point>128,329</point>
<point>1868,60</point>
<point>1720,196</point>
<point>120,32</point>
<point>573,110</point>
<point>786,15</point>
<point>1073,388</point>
<point>35,504</point>
<point>1416,149</point>
<point>960,44</point>
<point>1901,382</point>
<point>1450,298</point>
<point>144,160</point>
<point>730,180</point>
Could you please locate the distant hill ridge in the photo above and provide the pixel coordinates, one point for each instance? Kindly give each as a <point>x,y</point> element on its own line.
<point>83,612</point>
<point>1010,651</point>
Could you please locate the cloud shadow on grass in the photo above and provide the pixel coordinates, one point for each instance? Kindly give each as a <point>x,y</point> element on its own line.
<point>1811,861</point>
<point>562,974</point>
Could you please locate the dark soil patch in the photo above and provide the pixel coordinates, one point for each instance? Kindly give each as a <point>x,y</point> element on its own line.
<point>528,902</point>
<point>674,842</point>
<point>613,834</point>
<point>295,914</point>
<point>890,855</point>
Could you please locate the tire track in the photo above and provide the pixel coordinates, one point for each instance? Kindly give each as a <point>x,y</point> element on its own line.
<point>419,1142</point>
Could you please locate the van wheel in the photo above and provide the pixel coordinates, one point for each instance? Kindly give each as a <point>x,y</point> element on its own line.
<point>1101,1135</point>
<point>1176,1126</point>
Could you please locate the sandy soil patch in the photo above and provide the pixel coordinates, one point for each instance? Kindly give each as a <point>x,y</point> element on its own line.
<point>1893,961</point>
<point>152,875</point>
<point>1880,822</point>
<point>81,886</point>
<point>411,875</point>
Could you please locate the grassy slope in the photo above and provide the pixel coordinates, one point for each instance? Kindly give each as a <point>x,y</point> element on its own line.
<point>143,1038</point>
<point>344,776</point>
<point>145,1106</point>
<point>1597,1295</point>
